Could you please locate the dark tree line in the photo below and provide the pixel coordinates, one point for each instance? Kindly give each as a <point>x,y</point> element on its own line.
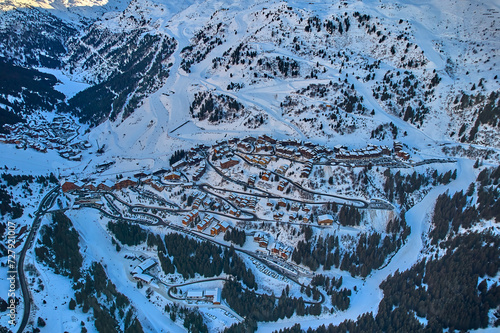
<point>397,186</point>
<point>236,236</point>
<point>451,292</point>
<point>177,156</point>
<point>453,212</point>
<point>370,252</point>
<point>128,233</point>
<point>349,216</point>
<point>255,307</point>
<point>191,257</point>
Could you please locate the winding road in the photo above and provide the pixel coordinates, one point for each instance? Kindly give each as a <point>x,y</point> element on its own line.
<point>45,204</point>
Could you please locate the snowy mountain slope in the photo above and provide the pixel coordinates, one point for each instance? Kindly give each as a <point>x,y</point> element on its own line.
<point>154,77</point>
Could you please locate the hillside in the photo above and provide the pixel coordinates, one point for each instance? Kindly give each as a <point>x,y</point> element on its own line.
<point>313,162</point>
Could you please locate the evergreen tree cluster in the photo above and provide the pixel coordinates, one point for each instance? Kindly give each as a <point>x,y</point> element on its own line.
<point>255,307</point>
<point>397,187</point>
<point>177,156</point>
<point>488,112</point>
<point>451,292</point>
<point>349,216</point>
<point>7,205</point>
<point>128,233</point>
<point>23,90</point>
<point>59,247</point>
<point>459,210</point>
<point>191,257</point>
<point>214,107</point>
<point>370,252</point>
<point>236,236</point>
<point>111,309</point>
<point>140,64</point>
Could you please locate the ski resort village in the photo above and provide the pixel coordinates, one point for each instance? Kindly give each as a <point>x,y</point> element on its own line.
<point>249,166</point>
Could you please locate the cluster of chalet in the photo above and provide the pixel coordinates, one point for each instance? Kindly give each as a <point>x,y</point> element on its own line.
<point>207,221</point>
<point>262,160</point>
<point>220,227</point>
<point>190,217</point>
<point>306,169</point>
<point>244,202</point>
<point>265,175</point>
<point>199,172</point>
<point>371,151</point>
<point>279,249</point>
<point>211,295</point>
<point>198,201</point>
<point>192,158</point>
<point>282,250</point>
<point>42,135</point>
<point>282,169</point>
<point>107,185</point>
<point>262,239</point>
<point>222,150</point>
<point>398,149</point>
<point>235,212</point>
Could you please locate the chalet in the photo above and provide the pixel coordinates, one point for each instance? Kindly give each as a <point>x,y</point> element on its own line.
<point>295,207</point>
<point>251,180</point>
<point>278,216</point>
<point>282,169</point>
<point>228,163</point>
<point>190,217</point>
<point>282,202</point>
<point>266,175</point>
<point>124,184</point>
<point>282,185</point>
<point>325,219</point>
<point>144,266</point>
<point>220,227</point>
<point>107,185</point>
<point>199,172</point>
<point>194,295</point>
<point>140,175</point>
<point>173,176</point>
<point>69,187</point>
<point>159,172</point>
<point>403,155</point>
<point>268,139</point>
<point>90,187</point>
<point>398,146</point>
<point>306,152</point>
<point>179,164</point>
<point>245,146</point>
<point>305,219</point>
<point>205,223</point>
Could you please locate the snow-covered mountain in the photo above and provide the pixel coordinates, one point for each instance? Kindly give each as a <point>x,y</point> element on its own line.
<point>362,64</point>
<point>383,116</point>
